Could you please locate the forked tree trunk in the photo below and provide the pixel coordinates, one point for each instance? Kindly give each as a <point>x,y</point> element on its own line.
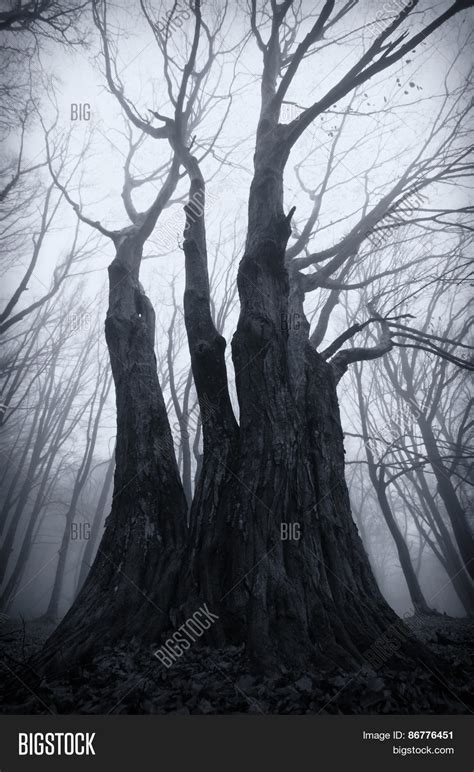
<point>311,599</point>
<point>302,600</point>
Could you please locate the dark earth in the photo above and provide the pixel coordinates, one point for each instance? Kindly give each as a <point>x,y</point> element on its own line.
<point>130,680</point>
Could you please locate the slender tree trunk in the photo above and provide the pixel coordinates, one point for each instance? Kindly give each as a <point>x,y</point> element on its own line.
<point>27,539</point>
<point>37,440</point>
<point>454,566</point>
<point>457,516</point>
<point>17,577</point>
<point>416,593</point>
<point>411,576</point>
<point>7,596</point>
<point>47,421</point>
<point>81,479</point>
<point>449,497</point>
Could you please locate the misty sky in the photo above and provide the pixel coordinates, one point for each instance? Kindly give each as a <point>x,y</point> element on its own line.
<point>389,118</point>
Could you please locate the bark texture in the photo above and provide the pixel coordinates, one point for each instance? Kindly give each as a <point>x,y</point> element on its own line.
<point>309,599</point>
<point>272,548</point>
<point>130,586</point>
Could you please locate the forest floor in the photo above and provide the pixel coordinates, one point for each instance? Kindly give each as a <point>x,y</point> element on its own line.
<point>129,679</point>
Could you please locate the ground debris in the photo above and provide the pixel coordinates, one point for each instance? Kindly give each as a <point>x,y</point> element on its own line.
<point>128,679</point>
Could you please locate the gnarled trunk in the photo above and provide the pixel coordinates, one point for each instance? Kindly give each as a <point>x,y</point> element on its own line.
<point>272,547</point>
<point>131,583</point>
<point>310,597</point>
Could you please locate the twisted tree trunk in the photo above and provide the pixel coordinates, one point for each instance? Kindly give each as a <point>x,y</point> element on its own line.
<point>307,599</point>
<point>132,581</point>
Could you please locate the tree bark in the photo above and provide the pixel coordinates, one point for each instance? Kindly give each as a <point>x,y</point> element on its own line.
<point>130,586</point>
<point>82,475</point>
<point>96,523</point>
<point>311,599</point>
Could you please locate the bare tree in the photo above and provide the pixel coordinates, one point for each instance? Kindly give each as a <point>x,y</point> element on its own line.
<point>282,463</point>
<point>377,475</point>
<point>53,404</point>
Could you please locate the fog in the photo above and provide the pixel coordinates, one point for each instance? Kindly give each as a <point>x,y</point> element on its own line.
<point>405,121</point>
